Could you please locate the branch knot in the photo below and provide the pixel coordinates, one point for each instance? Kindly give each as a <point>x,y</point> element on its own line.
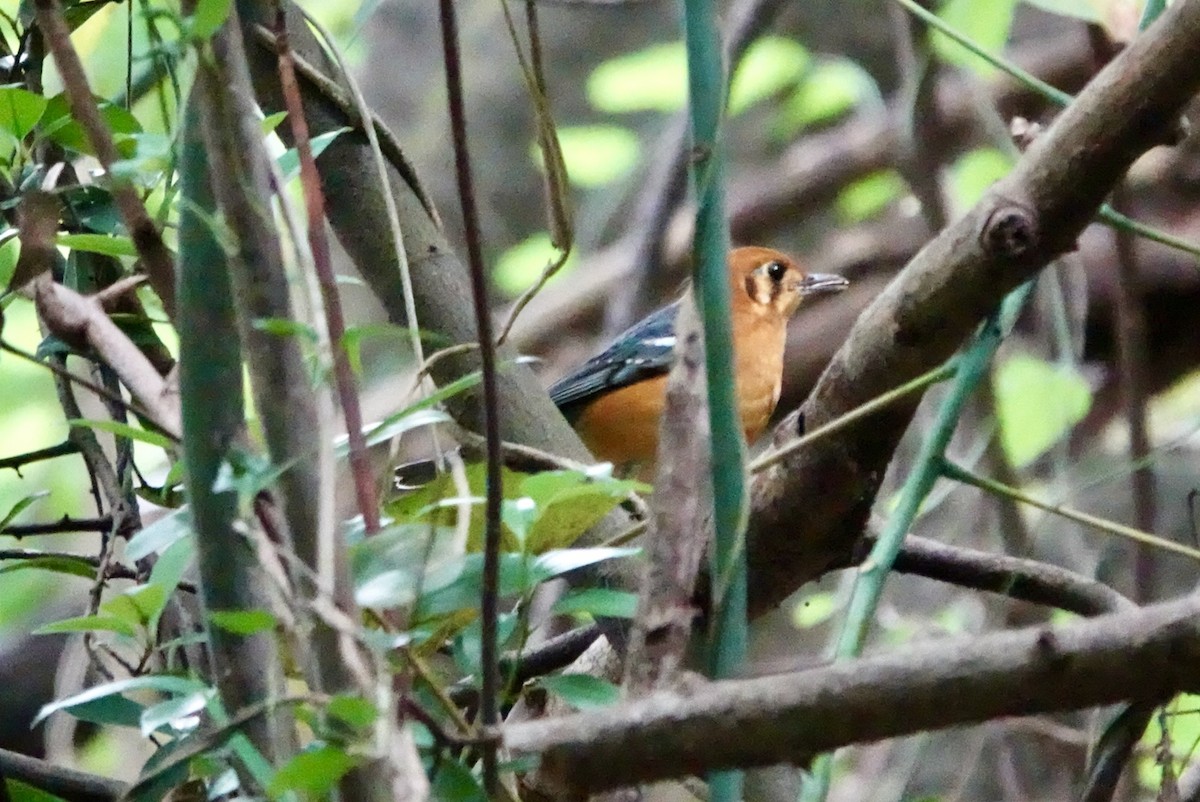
<point>1011,231</point>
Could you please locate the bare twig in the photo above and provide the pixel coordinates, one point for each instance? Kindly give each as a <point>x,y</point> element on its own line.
<point>156,259</point>
<point>1023,579</point>
<point>19,461</point>
<point>1130,327</point>
<point>318,238</point>
<point>489,705</point>
<point>65,524</point>
<point>76,318</point>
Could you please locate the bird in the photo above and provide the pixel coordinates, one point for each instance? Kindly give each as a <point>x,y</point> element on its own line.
<point>615,399</point>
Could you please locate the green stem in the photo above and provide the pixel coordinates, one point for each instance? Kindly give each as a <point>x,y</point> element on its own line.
<point>973,367</point>
<point>706,88</point>
<point>938,374</point>
<point>959,474</point>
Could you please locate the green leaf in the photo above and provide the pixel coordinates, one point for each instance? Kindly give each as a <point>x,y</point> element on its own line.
<point>521,265</point>
<point>814,610</point>
<point>570,503</point>
<point>289,161</point>
<point>20,111</point>
<point>145,156</point>
<point>98,243</point>
<point>390,567</point>
<point>595,155</point>
<point>354,336</point>
<point>208,17</point>
<point>312,772</point>
<point>272,121</point>
<point>974,172</point>
<point>21,506</point>
<point>1037,404</point>
<point>54,563</point>
<point>457,586</point>
<point>393,427</point>
<point>986,23</point>
<point>454,782</point>
<point>123,430</point>
<point>60,127</point>
<point>174,712</point>
<point>94,208</point>
<point>603,602</point>
<point>582,691</point>
<point>89,623</point>
<point>560,561</point>
<point>518,515</point>
<point>284,327</point>
<point>467,646</point>
<point>653,79</point>
<point>10,251</point>
<point>353,710</point>
<point>20,792</point>
<point>243,622</point>
<point>172,564</point>
<point>869,196</point>
<point>832,88</point>
<point>771,64</point>
<point>163,683</point>
<point>138,606</point>
<point>160,535</point>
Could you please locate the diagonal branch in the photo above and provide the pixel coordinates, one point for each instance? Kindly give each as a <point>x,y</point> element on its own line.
<point>155,257</point>
<point>1024,221</point>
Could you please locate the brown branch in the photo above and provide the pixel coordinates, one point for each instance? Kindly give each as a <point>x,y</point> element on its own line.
<point>64,524</point>
<point>681,522</point>
<point>81,319</point>
<point>1026,580</point>
<point>68,784</point>
<point>1130,328</point>
<point>1140,655</point>
<point>489,702</point>
<point>155,257</point>
<point>18,461</point>
<point>1024,221</point>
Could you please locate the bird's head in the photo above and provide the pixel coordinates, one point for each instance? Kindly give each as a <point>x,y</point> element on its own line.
<point>771,281</point>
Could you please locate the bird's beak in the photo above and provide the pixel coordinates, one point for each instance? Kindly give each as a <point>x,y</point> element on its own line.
<point>815,283</point>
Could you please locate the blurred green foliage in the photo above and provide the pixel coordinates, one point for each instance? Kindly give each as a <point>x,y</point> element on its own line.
<point>1037,403</point>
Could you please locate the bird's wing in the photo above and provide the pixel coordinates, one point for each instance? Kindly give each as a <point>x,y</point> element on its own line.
<point>642,352</point>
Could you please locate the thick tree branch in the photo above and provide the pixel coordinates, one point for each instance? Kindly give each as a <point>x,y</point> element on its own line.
<point>1024,221</point>
<point>1141,655</point>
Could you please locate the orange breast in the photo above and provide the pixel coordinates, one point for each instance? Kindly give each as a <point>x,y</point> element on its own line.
<point>622,426</point>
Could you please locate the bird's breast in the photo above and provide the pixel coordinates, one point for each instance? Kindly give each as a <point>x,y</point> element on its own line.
<point>759,369</point>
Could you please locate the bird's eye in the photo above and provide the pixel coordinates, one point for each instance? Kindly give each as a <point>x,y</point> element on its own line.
<point>775,271</point>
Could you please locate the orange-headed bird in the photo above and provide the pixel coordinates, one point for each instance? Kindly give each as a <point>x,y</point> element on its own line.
<point>615,399</point>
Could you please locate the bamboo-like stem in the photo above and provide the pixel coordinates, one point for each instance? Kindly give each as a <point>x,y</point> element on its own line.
<point>706,92</point>
<point>211,400</point>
